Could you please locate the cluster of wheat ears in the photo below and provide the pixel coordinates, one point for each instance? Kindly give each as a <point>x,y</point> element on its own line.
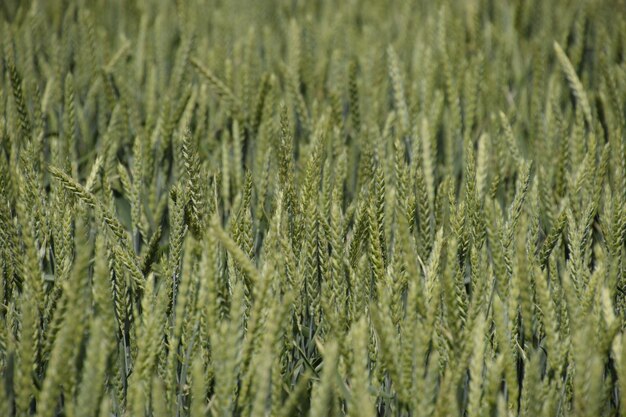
<point>316,208</point>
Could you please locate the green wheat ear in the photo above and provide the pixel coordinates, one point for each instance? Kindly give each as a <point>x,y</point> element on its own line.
<point>574,82</point>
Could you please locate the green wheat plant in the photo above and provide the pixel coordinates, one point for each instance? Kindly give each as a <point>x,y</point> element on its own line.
<point>312,208</point>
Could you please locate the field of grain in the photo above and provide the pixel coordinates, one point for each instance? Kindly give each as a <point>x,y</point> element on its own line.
<point>312,208</point>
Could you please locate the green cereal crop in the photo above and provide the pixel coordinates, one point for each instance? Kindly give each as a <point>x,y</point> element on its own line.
<point>312,208</point>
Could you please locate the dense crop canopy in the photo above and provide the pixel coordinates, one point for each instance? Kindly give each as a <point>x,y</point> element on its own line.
<point>316,208</point>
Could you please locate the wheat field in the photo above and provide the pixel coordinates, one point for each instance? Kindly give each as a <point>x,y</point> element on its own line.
<point>312,208</point>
